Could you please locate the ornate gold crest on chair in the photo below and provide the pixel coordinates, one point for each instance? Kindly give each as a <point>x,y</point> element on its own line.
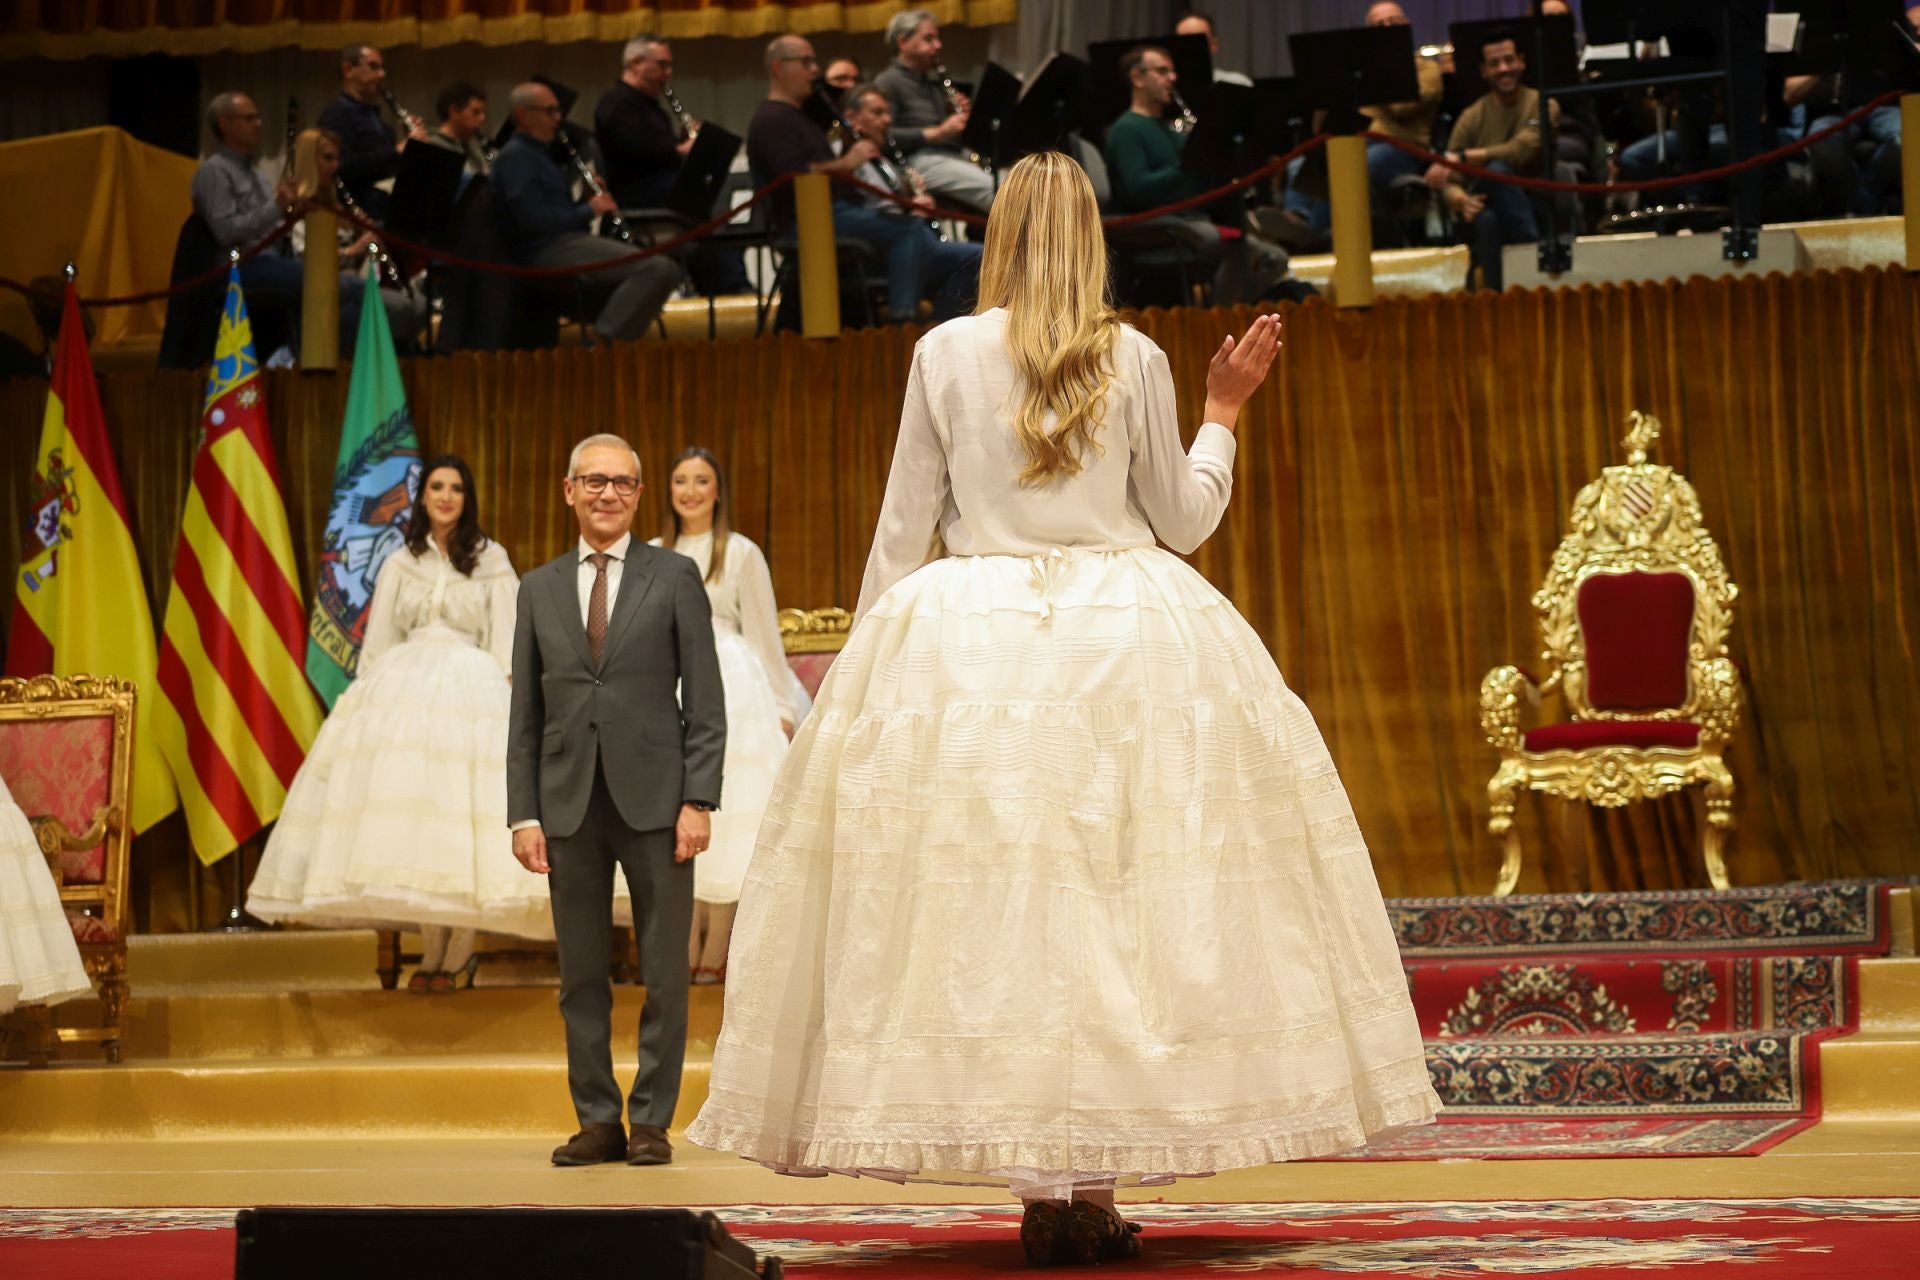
<point>66,753</point>
<point>1634,617</point>
<point>812,638</point>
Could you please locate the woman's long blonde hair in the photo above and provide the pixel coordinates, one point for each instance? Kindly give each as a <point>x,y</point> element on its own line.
<point>306,164</point>
<point>1046,263</point>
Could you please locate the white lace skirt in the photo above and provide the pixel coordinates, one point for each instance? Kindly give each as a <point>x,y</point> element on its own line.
<point>1059,885</point>
<point>39,963</point>
<point>398,817</point>
<point>756,745</point>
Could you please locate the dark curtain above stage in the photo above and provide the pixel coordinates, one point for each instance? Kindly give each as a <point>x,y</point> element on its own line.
<point>1402,482</point>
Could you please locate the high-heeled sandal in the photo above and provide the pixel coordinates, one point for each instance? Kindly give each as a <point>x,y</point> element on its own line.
<point>1043,1234</point>
<point>421,981</point>
<point>1096,1235</point>
<point>705,976</point>
<point>445,982</point>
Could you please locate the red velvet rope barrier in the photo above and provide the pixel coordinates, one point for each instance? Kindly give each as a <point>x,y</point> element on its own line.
<point>1649,184</point>
<point>1265,171</point>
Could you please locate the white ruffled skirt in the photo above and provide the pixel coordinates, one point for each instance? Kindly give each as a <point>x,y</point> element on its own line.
<point>398,816</point>
<point>756,745</point>
<point>1059,886</point>
<point>39,963</point>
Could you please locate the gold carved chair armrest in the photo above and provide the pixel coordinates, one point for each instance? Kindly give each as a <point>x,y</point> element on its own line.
<point>1717,683</point>
<point>1500,696</point>
<point>55,839</point>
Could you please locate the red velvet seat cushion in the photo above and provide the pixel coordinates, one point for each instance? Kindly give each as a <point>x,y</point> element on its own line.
<point>1635,628</point>
<point>59,768</point>
<point>1582,735</point>
<point>811,668</point>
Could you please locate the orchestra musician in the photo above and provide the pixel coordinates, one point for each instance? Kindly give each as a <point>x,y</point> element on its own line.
<point>929,115</point>
<point>369,148</point>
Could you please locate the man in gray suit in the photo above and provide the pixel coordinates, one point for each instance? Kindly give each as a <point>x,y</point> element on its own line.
<point>606,768</point>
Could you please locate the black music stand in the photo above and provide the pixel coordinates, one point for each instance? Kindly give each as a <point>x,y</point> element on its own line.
<point>1338,72</point>
<point>1109,93</point>
<point>1047,110</point>
<point>1866,42</point>
<point>992,107</point>
<point>1217,149</point>
<point>696,187</point>
<point>424,192</point>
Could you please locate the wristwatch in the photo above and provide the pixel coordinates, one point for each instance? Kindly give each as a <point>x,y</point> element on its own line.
<point>704,806</point>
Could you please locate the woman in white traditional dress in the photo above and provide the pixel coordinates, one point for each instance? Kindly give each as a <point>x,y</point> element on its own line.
<point>765,700</point>
<point>1058,887</point>
<point>39,963</point>
<point>398,816</point>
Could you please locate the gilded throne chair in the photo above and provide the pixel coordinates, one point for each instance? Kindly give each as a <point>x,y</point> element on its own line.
<point>1634,615</point>
<point>66,753</point>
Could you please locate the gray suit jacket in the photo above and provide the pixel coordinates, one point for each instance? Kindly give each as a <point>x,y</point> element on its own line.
<point>568,715</point>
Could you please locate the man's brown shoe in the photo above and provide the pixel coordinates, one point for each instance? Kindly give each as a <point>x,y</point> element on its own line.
<point>649,1145</point>
<point>594,1144</point>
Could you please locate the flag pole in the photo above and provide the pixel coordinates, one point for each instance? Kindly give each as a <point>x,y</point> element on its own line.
<point>236,919</point>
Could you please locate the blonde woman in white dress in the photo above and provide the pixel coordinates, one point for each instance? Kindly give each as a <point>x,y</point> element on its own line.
<point>1058,887</point>
<point>765,700</point>
<point>39,963</point>
<point>398,816</point>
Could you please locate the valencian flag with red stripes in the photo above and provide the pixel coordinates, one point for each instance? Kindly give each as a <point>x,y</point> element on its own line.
<point>79,604</point>
<point>236,714</point>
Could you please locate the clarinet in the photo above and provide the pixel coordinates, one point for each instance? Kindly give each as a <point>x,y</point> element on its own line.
<point>952,96</point>
<point>389,271</point>
<point>408,121</point>
<point>686,124</point>
<point>293,132</point>
<point>909,175</point>
<point>621,231</point>
<point>1184,121</point>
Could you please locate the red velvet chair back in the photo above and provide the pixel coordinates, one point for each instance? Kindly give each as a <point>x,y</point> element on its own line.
<point>1635,629</point>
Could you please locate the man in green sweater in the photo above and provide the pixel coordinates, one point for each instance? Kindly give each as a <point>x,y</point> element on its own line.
<point>1500,132</point>
<point>1143,161</point>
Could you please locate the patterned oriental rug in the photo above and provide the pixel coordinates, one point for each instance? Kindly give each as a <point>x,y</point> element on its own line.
<point>1806,1239</point>
<point>1698,1005</point>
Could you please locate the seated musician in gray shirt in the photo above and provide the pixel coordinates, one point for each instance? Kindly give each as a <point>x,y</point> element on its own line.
<point>233,199</point>
<point>926,124</point>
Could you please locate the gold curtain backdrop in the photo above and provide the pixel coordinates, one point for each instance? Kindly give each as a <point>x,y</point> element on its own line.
<point>1402,482</point>
<point>125,28</point>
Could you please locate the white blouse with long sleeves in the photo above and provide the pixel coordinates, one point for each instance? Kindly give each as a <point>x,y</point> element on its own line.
<point>957,463</point>
<point>416,592</point>
<point>742,600</point>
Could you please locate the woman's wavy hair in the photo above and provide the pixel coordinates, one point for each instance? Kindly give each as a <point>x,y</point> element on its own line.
<point>722,527</point>
<point>1046,263</point>
<point>306,165</point>
<point>466,542</point>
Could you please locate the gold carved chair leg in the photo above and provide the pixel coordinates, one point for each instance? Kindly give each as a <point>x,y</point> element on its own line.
<point>1719,821</point>
<point>1502,794</point>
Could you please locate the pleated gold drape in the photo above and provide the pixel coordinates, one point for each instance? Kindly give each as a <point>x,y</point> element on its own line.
<point>1402,481</point>
<point>125,28</point>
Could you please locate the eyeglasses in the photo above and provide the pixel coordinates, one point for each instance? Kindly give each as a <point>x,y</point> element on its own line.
<point>809,60</point>
<point>547,109</point>
<point>596,484</point>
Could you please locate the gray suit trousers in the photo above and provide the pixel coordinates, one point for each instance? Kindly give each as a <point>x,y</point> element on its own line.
<point>581,880</point>
<point>634,294</point>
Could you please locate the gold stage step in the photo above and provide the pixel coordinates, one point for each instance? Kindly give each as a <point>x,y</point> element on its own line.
<point>275,960</point>
<point>1890,994</point>
<point>394,1024</point>
<point>469,1095</point>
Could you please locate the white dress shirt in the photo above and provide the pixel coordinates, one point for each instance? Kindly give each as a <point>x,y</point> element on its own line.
<point>615,567</point>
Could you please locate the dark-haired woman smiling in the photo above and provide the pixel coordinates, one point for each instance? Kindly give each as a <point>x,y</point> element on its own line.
<point>398,816</point>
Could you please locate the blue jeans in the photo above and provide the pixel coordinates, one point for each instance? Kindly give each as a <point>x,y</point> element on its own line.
<point>1640,161</point>
<point>1881,174</point>
<point>1507,219</point>
<point>919,263</point>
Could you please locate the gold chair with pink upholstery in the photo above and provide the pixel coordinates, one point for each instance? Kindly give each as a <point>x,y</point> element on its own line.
<point>66,754</point>
<point>813,638</point>
<point>1634,616</point>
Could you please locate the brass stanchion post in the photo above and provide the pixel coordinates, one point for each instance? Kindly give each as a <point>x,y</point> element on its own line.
<point>1352,222</point>
<point>819,275</point>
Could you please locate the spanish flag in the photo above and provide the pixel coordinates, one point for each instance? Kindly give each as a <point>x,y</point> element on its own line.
<point>79,604</point>
<point>236,714</point>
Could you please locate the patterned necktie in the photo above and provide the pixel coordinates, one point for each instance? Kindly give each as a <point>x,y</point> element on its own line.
<point>597,606</point>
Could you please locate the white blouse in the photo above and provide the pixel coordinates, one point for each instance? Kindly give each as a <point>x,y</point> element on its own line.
<point>742,600</point>
<point>416,592</point>
<point>957,463</point>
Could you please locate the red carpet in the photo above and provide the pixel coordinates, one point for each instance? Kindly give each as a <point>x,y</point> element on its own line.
<point>1805,1239</point>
